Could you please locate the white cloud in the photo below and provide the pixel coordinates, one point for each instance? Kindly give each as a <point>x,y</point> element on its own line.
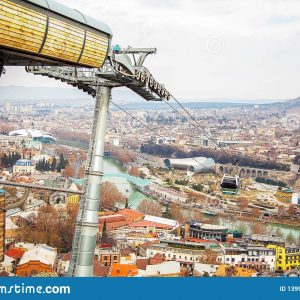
<point>208,48</point>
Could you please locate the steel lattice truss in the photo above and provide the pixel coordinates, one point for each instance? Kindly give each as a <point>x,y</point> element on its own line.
<point>121,68</point>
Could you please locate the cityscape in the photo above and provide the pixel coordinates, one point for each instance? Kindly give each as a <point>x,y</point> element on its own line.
<point>162,213</point>
<point>94,183</point>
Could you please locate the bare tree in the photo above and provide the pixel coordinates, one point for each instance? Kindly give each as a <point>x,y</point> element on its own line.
<point>150,207</point>
<point>209,257</point>
<point>243,202</point>
<point>110,195</point>
<point>134,171</point>
<point>258,228</point>
<point>230,271</point>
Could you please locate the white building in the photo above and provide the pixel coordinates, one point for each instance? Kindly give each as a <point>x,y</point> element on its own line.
<point>24,166</point>
<point>252,255</point>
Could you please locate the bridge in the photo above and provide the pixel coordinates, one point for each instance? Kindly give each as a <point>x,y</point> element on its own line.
<point>249,172</point>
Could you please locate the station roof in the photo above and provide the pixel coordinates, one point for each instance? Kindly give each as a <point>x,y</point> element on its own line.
<point>72,14</point>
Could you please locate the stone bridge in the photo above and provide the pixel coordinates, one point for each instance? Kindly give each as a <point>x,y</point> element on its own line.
<point>242,171</point>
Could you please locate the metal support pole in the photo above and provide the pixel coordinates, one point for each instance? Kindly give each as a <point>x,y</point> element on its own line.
<point>90,218</point>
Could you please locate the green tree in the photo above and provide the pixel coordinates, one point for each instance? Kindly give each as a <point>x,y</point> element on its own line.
<point>167,214</point>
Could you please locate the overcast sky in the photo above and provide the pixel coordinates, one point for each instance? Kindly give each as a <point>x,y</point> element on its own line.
<point>241,49</point>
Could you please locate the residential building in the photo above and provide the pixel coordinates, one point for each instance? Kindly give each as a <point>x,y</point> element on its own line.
<point>23,166</point>
<point>38,259</point>
<point>123,270</point>
<point>204,231</point>
<point>182,251</point>
<point>287,258</point>
<point>108,257</point>
<point>252,257</point>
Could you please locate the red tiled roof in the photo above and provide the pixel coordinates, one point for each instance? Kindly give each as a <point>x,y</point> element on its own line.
<point>157,259</point>
<point>15,253</point>
<point>66,257</point>
<point>111,219</point>
<point>99,270</point>
<point>142,263</point>
<point>130,213</point>
<point>126,251</point>
<point>150,224</point>
<point>112,226</point>
<point>148,244</point>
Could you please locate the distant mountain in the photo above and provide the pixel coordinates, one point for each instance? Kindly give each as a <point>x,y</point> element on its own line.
<point>294,102</point>
<point>33,94</point>
<point>57,94</point>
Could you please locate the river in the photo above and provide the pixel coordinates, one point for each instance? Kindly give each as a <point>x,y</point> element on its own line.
<point>112,167</point>
<point>135,197</point>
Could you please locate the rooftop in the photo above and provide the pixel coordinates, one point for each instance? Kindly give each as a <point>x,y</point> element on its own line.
<point>42,253</point>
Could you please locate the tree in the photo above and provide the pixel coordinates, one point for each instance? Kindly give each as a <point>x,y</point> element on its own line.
<point>53,164</point>
<point>242,202</point>
<point>69,171</point>
<point>80,173</point>
<point>209,257</point>
<point>167,214</point>
<point>150,207</point>
<point>278,232</point>
<point>83,155</point>
<point>258,228</point>
<point>105,237</point>
<point>179,214</point>
<point>62,162</point>
<point>110,195</point>
<point>255,212</point>
<point>292,210</point>
<point>45,222</point>
<point>290,239</point>
<point>134,171</point>
<point>230,271</point>
<point>280,211</point>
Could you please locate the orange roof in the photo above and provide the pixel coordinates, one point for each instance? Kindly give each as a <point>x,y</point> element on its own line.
<point>123,270</point>
<point>130,213</point>
<point>15,252</point>
<point>113,225</point>
<point>150,224</point>
<point>106,213</point>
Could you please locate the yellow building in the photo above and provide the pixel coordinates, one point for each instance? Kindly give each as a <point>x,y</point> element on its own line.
<point>73,199</point>
<point>287,258</point>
